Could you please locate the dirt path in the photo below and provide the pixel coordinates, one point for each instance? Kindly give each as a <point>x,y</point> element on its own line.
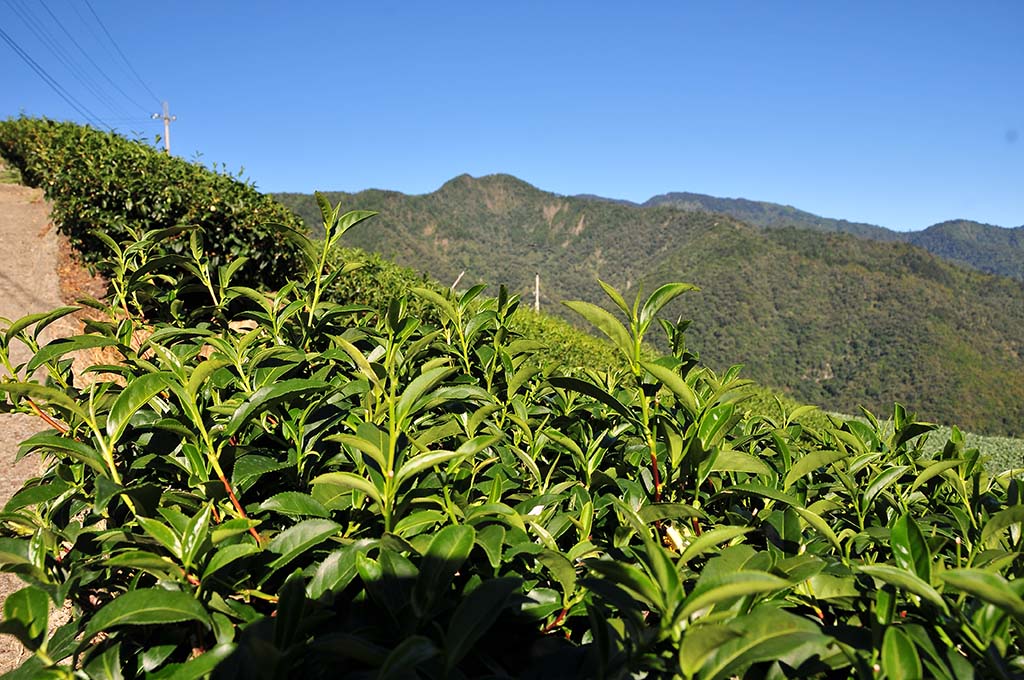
<point>29,256</point>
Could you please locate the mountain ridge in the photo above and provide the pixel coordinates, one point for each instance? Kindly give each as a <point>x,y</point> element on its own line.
<point>827,317</point>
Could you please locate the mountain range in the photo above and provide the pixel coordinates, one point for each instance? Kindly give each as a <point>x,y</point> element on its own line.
<point>835,313</point>
<point>985,247</point>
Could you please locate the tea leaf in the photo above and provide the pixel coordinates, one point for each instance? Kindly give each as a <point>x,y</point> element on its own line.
<point>606,323</point>
<point>905,580</point>
<point>999,522</point>
<point>811,462</point>
<point>899,656</point>
<point>62,346</point>
<point>661,297</point>
<point>910,549</point>
<point>709,539</point>
<point>476,613</point>
<point>30,608</point>
<point>298,538</point>
<point>147,606</point>
<point>295,504</point>
<point>132,398</point>
<point>409,654</point>
<point>268,396</point>
<point>675,383</point>
<point>448,549</point>
<point>731,586</point>
<point>991,588</point>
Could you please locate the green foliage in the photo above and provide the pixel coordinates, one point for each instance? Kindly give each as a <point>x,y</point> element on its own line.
<point>103,184</point>
<point>825,318</point>
<point>983,246</point>
<point>769,215</point>
<point>280,484</point>
<point>376,282</point>
<point>362,473</point>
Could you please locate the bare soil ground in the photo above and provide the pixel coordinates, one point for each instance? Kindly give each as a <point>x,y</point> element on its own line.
<point>37,274</point>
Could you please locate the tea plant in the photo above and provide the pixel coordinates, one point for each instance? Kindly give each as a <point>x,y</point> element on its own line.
<point>279,485</point>
<point>103,184</point>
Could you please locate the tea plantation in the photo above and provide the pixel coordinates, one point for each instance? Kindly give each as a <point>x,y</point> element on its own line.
<point>302,464</point>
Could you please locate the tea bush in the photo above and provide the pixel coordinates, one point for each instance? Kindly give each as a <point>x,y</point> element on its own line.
<point>102,182</point>
<point>281,485</point>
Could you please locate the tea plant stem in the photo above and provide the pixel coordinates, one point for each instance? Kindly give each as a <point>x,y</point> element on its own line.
<point>318,276</point>
<point>393,430</point>
<point>557,622</point>
<point>259,595</point>
<point>234,501</point>
<point>645,416</point>
<point>60,427</point>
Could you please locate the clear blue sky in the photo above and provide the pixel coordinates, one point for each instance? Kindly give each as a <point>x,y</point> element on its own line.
<point>901,114</point>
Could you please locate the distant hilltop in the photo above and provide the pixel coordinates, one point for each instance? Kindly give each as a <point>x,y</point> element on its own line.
<point>831,312</point>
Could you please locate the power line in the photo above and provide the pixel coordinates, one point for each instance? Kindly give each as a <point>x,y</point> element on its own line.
<point>91,60</point>
<point>49,43</point>
<point>41,72</point>
<point>114,43</point>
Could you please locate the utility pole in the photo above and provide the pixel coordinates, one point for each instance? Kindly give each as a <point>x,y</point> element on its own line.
<point>536,293</point>
<point>458,279</point>
<point>167,127</point>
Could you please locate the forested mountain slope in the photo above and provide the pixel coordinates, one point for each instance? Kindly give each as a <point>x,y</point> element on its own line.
<point>769,215</point>
<point>830,318</point>
<point>985,247</point>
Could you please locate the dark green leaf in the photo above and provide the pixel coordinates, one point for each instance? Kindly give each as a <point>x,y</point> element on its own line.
<point>62,346</point>
<point>731,586</point>
<point>334,573</point>
<point>295,504</point>
<point>655,512</point>
<point>349,481</point>
<point>476,613</point>
<point>700,642</point>
<point>266,397</point>
<point>882,481</point>
<point>709,539</point>
<point>593,391</point>
<point>144,607</point>
<point>406,657</point>
<point>417,388</point>
<point>80,451</point>
<point>766,634</point>
<point>811,462</point>
<point>661,297</point>
<point>299,538</point>
<point>448,549</point>
<point>194,669</point>
<point>675,382</point>
<point>46,318</point>
<point>561,568</point>
<point>425,461</point>
<point>45,394</point>
<point>729,460</point>
<point>132,398</point>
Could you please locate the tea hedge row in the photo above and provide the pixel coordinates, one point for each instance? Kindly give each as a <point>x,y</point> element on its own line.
<point>102,182</point>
